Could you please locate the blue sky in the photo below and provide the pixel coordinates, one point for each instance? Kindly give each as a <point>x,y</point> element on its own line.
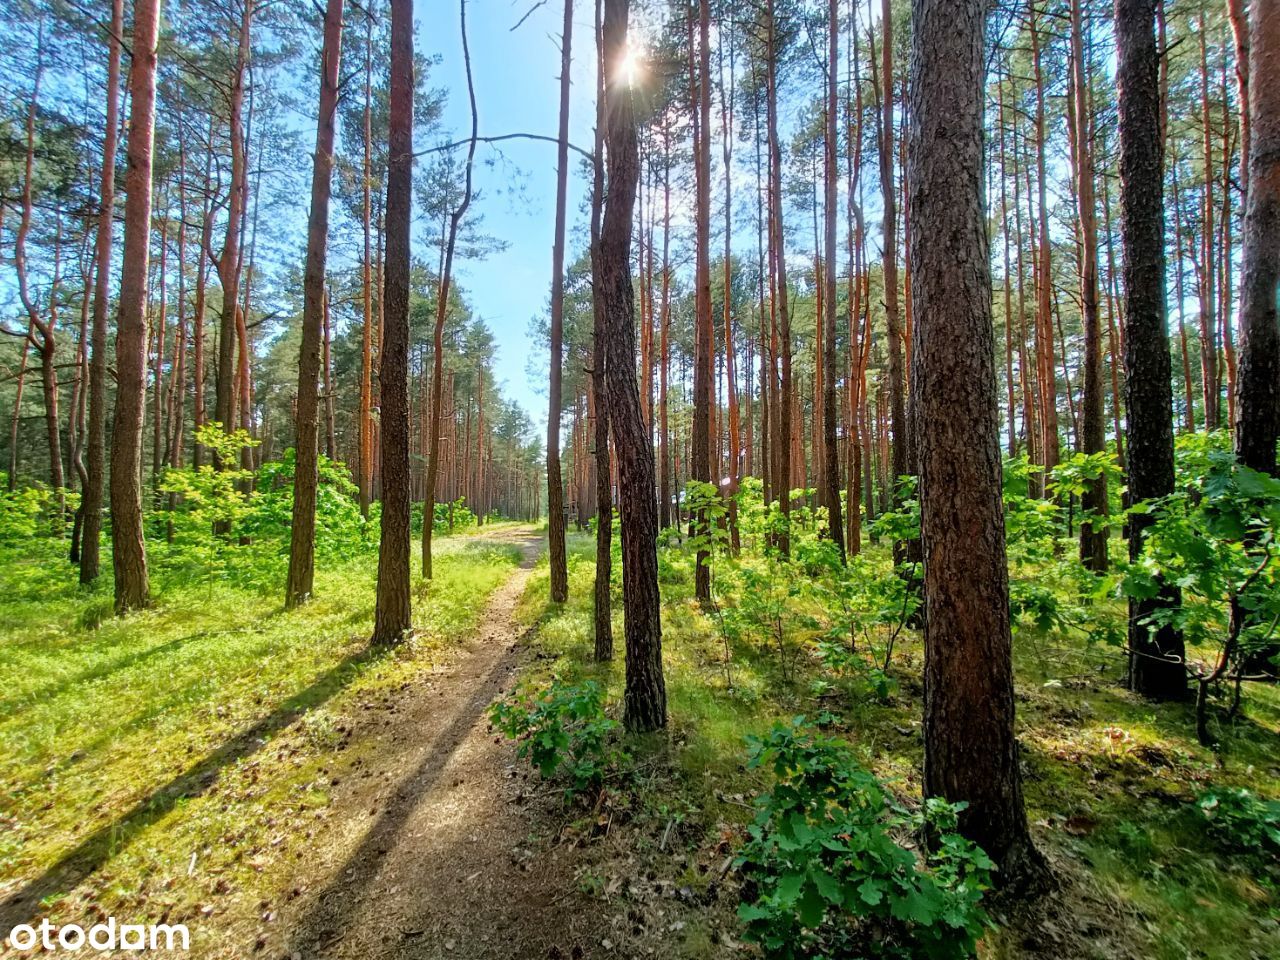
<point>517,91</point>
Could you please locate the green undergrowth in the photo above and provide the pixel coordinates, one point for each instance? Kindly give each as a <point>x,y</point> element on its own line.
<point>1115,786</point>
<point>181,752</point>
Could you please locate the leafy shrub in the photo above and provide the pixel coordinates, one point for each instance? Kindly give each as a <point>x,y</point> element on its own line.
<point>22,511</point>
<point>341,532</point>
<point>564,732</point>
<point>827,875</point>
<point>767,608</point>
<point>1241,821</point>
<point>868,608</point>
<point>1216,538</point>
<point>227,524</point>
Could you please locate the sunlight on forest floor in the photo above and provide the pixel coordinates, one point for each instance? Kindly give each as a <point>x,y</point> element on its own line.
<point>178,763</point>
<point>1111,781</point>
<point>165,757</point>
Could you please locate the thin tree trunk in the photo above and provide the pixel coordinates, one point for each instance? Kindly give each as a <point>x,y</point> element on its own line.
<point>1093,532</point>
<point>1050,447</point>
<point>91,534</point>
<point>901,465</point>
<point>782,352</point>
<point>602,600</point>
<point>364,417</point>
<point>731,373</point>
<point>229,262</point>
<point>831,456</point>
<point>704,336</point>
<point>555,485</point>
<point>128,547</point>
<point>442,302</point>
<point>302,543</point>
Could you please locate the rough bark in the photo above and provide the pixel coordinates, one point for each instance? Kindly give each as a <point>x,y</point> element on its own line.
<point>1257,414</point>
<point>1157,667</point>
<point>1258,398</point>
<point>645,698</point>
<point>971,754</point>
<point>392,614</point>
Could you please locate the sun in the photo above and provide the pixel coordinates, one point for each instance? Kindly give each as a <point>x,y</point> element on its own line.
<point>632,66</point>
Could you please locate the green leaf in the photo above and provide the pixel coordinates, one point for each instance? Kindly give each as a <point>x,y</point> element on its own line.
<point>871,891</point>
<point>826,884</point>
<point>789,887</point>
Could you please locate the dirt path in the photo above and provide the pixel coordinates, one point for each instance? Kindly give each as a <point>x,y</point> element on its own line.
<point>428,854</point>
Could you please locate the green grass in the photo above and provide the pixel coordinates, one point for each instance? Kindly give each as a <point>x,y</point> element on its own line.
<point>200,728</point>
<point>1110,780</point>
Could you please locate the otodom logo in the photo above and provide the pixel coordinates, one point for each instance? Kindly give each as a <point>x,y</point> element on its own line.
<point>102,937</point>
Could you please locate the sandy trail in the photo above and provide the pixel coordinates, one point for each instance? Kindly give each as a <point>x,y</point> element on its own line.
<point>432,856</point>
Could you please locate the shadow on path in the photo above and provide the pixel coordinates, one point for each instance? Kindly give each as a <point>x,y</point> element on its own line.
<point>333,909</point>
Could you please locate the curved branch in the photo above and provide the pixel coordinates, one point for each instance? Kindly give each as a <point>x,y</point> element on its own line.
<point>470,141</point>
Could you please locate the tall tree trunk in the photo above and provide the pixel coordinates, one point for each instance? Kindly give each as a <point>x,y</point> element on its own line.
<point>555,485</point>
<point>782,408</point>
<point>901,465</point>
<point>364,417</point>
<point>730,362</point>
<point>1157,655</point>
<point>45,343</point>
<point>664,373</point>
<point>302,543</point>
<point>1093,532</point>
<point>128,547</point>
<point>1211,376</point>
<point>602,600</point>
<point>1050,446</point>
<point>971,754</point>
<point>229,262</point>
<point>198,413</point>
<point>703,334</point>
<point>393,618</point>
<point>831,456</point>
<point>645,698</point>
<point>91,535</point>
<point>1258,397</point>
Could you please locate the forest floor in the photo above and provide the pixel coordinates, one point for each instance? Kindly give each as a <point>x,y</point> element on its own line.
<point>265,779</point>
